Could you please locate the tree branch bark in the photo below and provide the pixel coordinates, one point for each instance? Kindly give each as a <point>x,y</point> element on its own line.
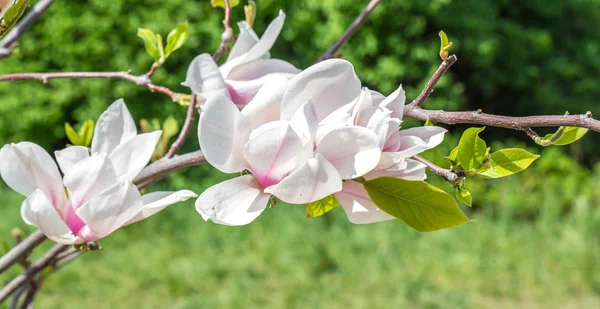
<point>446,64</point>
<point>185,130</point>
<point>9,41</point>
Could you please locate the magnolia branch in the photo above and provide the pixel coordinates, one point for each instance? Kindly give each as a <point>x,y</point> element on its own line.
<point>227,35</point>
<point>449,175</point>
<point>351,30</point>
<point>446,64</point>
<point>185,130</point>
<point>9,41</point>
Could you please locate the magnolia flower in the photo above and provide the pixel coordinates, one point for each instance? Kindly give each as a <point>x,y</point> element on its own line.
<point>246,70</point>
<point>283,156</point>
<point>96,196</point>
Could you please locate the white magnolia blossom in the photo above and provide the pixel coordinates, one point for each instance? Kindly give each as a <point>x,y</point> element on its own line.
<point>306,139</point>
<point>96,196</point>
<point>246,70</point>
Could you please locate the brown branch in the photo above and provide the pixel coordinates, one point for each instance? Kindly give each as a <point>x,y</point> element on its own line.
<point>185,130</point>
<point>9,41</point>
<point>163,167</point>
<point>446,64</point>
<point>227,35</point>
<point>351,30</point>
<point>449,175</point>
<point>21,250</point>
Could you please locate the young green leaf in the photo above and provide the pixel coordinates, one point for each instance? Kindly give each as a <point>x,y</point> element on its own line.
<point>170,127</point>
<point>150,42</point>
<point>14,13</point>
<point>453,157</point>
<point>221,3</point>
<point>72,135</point>
<point>419,204</point>
<point>464,196</point>
<point>568,136</point>
<point>471,149</point>
<point>322,206</point>
<point>445,46</point>
<point>86,133</point>
<point>507,162</point>
<point>176,38</point>
<point>428,122</point>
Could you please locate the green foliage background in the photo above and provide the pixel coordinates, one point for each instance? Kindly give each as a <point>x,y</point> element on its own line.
<point>535,241</point>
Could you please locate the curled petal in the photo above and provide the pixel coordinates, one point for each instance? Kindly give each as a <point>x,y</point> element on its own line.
<point>416,140</point>
<point>112,208</point>
<point>68,157</point>
<point>222,132</point>
<point>265,106</point>
<point>130,158</point>
<point>259,68</point>
<point>312,181</point>
<point>273,150</point>
<point>88,178</point>
<point>305,123</point>
<point>157,201</point>
<point>354,151</point>
<point>330,84</point>
<point>358,206</point>
<point>114,127</point>
<point>379,123</point>
<point>39,211</point>
<point>408,170</point>
<point>363,102</point>
<point>237,201</point>
<point>395,102</point>
<point>204,78</point>
<point>245,41</point>
<point>391,160</point>
<point>243,92</point>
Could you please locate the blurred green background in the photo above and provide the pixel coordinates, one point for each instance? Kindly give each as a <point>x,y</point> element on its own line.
<point>535,239</point>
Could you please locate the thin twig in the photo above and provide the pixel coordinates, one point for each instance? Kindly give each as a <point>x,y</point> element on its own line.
<point>9,41</point>
<point>21,250</point>
<point>227,35</point>
<point>163,167</point>
<point>450,176</point>
<point>185,130</point>
<point>351,30</point>
<point>446,64</point>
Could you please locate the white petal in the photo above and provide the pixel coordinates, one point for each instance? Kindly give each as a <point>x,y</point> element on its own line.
<point>273,150</point>
<point>259,49</point>
<point>358,206</point>
<point>68,157</point>
<point>245,41</point>
<point>37,210</point>
<point>395,102</point>
<point>157,201</point>
<point>305,123</point>
<point>265,106</point>
<point>112,208</point>
<point>342,117</point>
<point>416,140</point>
<point>237,201</point>
<point>26,167</point>
<point>409,170</point>
<point>363,102</point>
<point>242,92</point>
<point>204,78</point>
<point>331,84</point>
<point>115,126</point>
<point>259,68</point>
<point>379,123</point>
<point>353,151</point>
<point>391,160</point>
<point>314,180</point>
<point>88,178</point>
<point>130,158</point>
<point>222,132</point>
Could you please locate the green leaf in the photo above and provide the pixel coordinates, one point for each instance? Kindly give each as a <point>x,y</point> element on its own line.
<point>86,133</point>
<point>170,127</point>
<point>464,196</point>
<point>570,135</point>
<point>176,38</point>
<point>145,126</point>
<point>221,3</point>
<point>507,162</point>
<point>445,45</point>
<point>419,204</point>
<point>322,206</point>
<point>428,122</point>
<point>14,13</point>
<point>72,135</point>
<point>150,42</point>
<point>471,149</point>
<point>453,157</point>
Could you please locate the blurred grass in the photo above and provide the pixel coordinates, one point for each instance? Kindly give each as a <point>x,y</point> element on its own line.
<point>283,260</point>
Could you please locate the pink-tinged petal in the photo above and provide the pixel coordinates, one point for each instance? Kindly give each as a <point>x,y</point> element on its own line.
<point>242,92</point>
<point>377,97</point>
<point>342,117</point>
<point>395,102</point>
<point>114,127</point>
<point>38,210</point>
<point>265,106</point>
<point>410,170</point>
<point>393,128</point>
<point>314,180</point>
<point>391,160</point>
<point>237,201</point>
<point>363,102</point>
<point>112,208</point>
<point>68,157</point>
<point>223,131</point>
<point>273,150</point>
<point>259,68</point>
<point>330,84</point>
<point>305,123</point>
<point>353,151</point>
<point>392,144</point>
<point>416,140</point>
<point>259,49</point>
<point>379,122</point>
<point>244,42</point>
<point>88,178</point>
<point>157,201</point>
<point>358,206</point>
<point>130,158</point>
<point>26,167</point>
<point>204,78</point>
